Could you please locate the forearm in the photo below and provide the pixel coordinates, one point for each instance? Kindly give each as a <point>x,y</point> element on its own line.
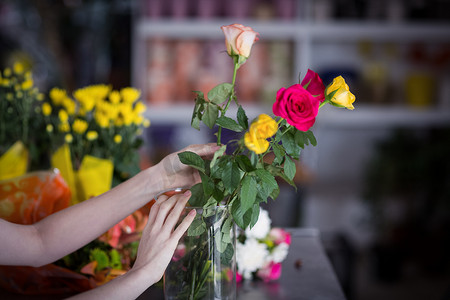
<point>127,286</point>
<point>72,228</point>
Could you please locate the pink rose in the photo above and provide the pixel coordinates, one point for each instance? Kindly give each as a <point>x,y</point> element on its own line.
<point>270,272</point>
<point>297,106</point>
<point>314,85</point>
<point>278,236</point>
<point>239,39</point>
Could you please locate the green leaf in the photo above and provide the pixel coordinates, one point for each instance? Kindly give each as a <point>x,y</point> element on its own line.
<point>311,137</point>
<point>244,163</point>
<point>220,93</point>
<point>254,214</point>
<point>248,192</point>
<point>219,166</point>
<point>218,154</point>
<point>209,208</point>
<point>279,153</point>
<point>197,196</point>
<point>274,194</point>
<point>210,115</point>
<point>115,259</point>
<point>300,139</point>
<point>227,255</point>
<point>290,145</point>
<point>267,178</point>
<point>100,257</point>
<point>242,118</point>
<point>231,176</point>
<point>192,159</point>
<point>197,227</point>
<point>208,185</point>
<point>289,168</point>
<point>229,123</point>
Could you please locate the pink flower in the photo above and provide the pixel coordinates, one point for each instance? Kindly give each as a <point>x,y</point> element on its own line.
<point>297,106</point>
<point>314,85</point>
<point>180,251</point>
<point>238,277</point>
<point>270,272</point>
<point>278,236</point>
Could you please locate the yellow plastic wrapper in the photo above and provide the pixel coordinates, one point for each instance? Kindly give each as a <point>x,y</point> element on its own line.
<point>14,162</point>
<point>92,179</point>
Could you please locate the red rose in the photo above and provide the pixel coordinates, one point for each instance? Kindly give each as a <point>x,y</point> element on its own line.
<point>314,85</point>
<point>297,106</point>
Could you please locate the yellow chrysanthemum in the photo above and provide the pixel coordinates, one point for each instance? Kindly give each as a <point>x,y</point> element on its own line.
<point>64,127</point>
<point>7,72</point>
<point>129,94</point>
<point>146,123</point>
<point>117,139</point>
<point>57,95</point>
<point>46,109</point>
<point>68,138</point>
<point>79,126</point>
<point>114,97</point>
<point>5,82</point>
<point>27,84</point>
<point>19,94</point>
<point>92,135</point>
<point>139,108</point>
<point>9,96</point>
<point>18,68</point>
<point>101,119</point>
<point>138,120</point>
<point>63,116</point>
<point>49,128</point>
<point>40,97</point>
<point>69,105</point>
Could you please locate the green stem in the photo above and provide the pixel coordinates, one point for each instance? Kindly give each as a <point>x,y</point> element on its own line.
<point>219,131</point>
<point>323,103</point>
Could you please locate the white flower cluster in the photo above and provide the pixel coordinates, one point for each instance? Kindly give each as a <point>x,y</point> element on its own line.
<point>260,248</point>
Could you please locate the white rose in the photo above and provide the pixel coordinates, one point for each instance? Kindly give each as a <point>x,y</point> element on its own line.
<point>250,257</point>
<point>279,253</point>
<point>261,228</point>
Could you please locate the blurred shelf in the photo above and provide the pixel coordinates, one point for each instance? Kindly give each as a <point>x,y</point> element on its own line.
<point>307,31</point>
<point>370,116</point>
<point>364,116</point>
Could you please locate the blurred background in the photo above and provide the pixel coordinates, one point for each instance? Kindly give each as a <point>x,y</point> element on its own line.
<point>378,183</point>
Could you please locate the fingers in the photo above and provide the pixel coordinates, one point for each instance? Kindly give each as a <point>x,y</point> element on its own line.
<point>181,229</point>
<point>203,149</point>
<point>174,215</point>
<point>165,207</point>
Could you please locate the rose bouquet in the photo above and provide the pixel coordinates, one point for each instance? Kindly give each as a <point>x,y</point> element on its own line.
<point>261,249</point>
<point>240,176</point>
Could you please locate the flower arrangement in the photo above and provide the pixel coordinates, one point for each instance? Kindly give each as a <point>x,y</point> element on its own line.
<point>97,122</point>
<point>91,136</point>
<point>261,249</point>
<point>19,103</point>
<point>240,176</point>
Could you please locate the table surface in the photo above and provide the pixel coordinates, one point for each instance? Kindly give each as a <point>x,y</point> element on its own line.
<point>306,274</point>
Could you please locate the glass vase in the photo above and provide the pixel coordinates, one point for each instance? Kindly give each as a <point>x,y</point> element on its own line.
<point>204,263</point>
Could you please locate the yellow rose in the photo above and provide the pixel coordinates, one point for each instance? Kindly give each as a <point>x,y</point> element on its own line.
<point>264,126</point>
<point>46,109</point>
<point>255,144</point>
<point>239,39</point>
<point>342,97</point>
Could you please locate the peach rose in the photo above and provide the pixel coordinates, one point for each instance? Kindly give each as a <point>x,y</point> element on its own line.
<point>239,39</point>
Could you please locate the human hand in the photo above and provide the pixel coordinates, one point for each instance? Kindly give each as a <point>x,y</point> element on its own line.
<point>159,237</point>
<point>176,174</point>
